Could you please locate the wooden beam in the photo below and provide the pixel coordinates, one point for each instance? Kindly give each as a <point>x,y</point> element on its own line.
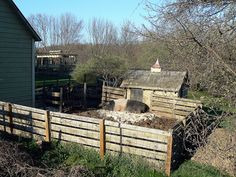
<point>47,127</point>
<point>169,156</point>
<point>102,139</point>
<point>10,117</point>
<point>61,100</point>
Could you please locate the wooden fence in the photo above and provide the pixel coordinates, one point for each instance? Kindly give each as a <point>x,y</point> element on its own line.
<point>67,97</point>
<point>153,144</point>
<point>173,107</point>
<point>112,93</point>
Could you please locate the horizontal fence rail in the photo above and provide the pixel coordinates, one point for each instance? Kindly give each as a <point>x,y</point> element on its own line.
<point>171,107</point>
<point>112,93</point>
<point>152,144</point>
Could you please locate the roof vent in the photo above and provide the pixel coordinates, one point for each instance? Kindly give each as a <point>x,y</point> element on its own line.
<point>156,68</point>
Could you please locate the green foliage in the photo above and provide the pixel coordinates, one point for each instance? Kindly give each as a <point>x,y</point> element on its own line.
<point>194,169</point>
<point>229,123</point>
<point>107,67</point>
<point>55,156</point>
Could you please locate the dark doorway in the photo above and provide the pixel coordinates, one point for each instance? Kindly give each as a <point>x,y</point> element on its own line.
<point>136,94</point>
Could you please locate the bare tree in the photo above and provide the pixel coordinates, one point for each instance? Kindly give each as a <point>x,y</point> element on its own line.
<point>103,36</point>
<point>63,30</point>
<point>202,34</point>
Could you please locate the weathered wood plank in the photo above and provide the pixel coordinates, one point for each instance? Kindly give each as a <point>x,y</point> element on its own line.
<point>136,142</point>
<point>47,127</point>
<point>30,109</point>
<point>102,139</point>
<point>168,115</point>
<point>27,115</point>
<point>169,156</point>
<point>137,128</point>
<point>136,134</point>
<point>113,88</point>
<point>136,151</point>
<point>176,102</point>
<point>74,123</point>
<point>74,117</point>
<point>171,111</point>
<point>55,94</point>
<point>72,138</point>
<point>175,98</point>
<point>75,131</point>
<point>113,91</point>
<point>19,126</point>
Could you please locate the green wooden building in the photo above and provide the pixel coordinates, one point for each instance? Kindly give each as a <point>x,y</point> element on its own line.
<point>17,56</point>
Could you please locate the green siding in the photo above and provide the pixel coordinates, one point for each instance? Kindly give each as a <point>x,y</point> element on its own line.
<point>15,58</point>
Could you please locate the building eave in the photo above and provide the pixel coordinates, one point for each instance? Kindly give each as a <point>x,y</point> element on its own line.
<point>24,20</point>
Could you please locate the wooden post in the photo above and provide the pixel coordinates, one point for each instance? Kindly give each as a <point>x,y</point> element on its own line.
<point>47,126</point>
<point>61,100</point>
<point>102,139</point>
<point>10,117</point>
<point>169,156</point>
<point>85,95</point>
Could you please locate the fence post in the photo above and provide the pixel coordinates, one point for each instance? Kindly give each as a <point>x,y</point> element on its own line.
<point>169,155</point>
<point>102,138</point>
<point>10,117</point>
<point>47,126</point>
<point>61,100</point>
<point>85,95</point>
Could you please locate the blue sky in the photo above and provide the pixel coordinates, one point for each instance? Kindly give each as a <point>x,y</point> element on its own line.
<point>116,11</point>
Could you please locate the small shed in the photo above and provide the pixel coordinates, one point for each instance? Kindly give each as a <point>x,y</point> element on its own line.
<point>141,84</point>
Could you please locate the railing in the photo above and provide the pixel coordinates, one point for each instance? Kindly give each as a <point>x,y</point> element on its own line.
<point>152,144</point>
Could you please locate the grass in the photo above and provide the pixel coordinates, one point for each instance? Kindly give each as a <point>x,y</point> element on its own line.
<point>194,169</point>
<point>71,154</point>
<point>113,165</point>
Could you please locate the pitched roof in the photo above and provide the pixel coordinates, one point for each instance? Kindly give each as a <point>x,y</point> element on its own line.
<point>24,20</point>
<point>145,79</point>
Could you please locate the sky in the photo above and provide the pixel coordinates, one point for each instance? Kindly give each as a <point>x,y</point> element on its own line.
<point>117,11</point>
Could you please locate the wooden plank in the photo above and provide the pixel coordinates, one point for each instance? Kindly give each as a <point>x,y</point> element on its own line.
<point>140,143</point>
<point>136,151</point>
<point>176,98</point>
<point>171,111</point>
<point>113,97</point>
<point>29,129</point>
<point>136,134</point>
<point>30,109</point>
<point>170,105</point>
<point>25,134</point>
<point>61,100</point>
<point>74,117</point>
<point>169,156</point>
<point>27,114</point>
<point>176,102</point>
<point>114,92</point>
<point>102,139</point>
<point>169,115</point>
<point>112,88</point>
<point>55,94</point>
<point>75,131</point>
<point>10,117</point>
<point>137,128</point>
<point>74,123</point>
<point>73,138</point>
<point>33,123</point>
<point>47,127</point>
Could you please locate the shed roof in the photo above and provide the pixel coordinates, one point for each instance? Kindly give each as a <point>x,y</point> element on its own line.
<point>145,79</point>
<point>24,20</point>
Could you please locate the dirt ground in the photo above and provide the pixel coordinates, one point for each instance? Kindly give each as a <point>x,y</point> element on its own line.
<point>157,123</point>
<point>220,151</point>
